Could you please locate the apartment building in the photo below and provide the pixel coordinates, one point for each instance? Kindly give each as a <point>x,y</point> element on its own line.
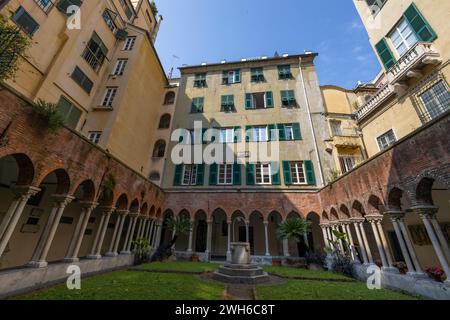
<point>100,67</point>
<point>410,39</point>
<point>250,102</point>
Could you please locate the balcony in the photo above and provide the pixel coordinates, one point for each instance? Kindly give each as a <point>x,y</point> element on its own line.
<point>346,141</point>
<point>411,64</point>
<point>377,99</point>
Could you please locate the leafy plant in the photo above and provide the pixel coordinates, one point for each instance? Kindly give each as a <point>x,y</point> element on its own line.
<point>109,183</point>
<point>181,225</point>
<point>293,228</point>
<point>141,249</point>
<point>49,113</point>
<point>333,175</point>
<point>154,8</point>
<point>13,44</point>
<point>343,264</point>
<point>355,105</point>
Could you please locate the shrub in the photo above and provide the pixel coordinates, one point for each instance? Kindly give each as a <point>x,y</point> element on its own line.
<point>436,273</point>
<point>343,264</point>
<point>48,112</point>
<point>316,258</point>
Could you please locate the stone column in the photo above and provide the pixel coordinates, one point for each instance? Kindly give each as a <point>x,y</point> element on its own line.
<point>158,234</point>
<point>373,220</point>
<point>191,236</point>
<point>410,246</point>
<point>229,241</point>
<point>140,222</point>
<point>394,217</point>
<point>341,245</point>
<point>134,217</point>
<point>351,244</point>
<point>356,222</point>
<point>385,244</point>
<point>208,239</point>
<point>366,243</point>
<point>123,214</point>
<point>80,229</point>
<point>266,236</point>
<point>111,252</point>
<point>39,259</point>
<point>426,213</point>
<point>324,234</point>
<point>131,221</point>
<point>286,248</point>
<point>21,196</point>
<point>247,232</point>
<point>150,232</point>
<point>440,235</point>
<point>101,232</point>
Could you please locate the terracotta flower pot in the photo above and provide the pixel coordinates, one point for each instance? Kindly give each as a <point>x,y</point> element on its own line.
<point>194,259</point>
<point>276,263</point>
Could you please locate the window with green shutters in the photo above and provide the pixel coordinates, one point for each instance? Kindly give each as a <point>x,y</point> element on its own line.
<point>63,5</point>
<point>178,175</point>
<point>257,75</point>
<point>289,131</point>
<point>23,19</point>
<point>231,77</point>
<point>288,98</point>
<point>259,100</point>
<point>237,169</point>
<point>95,52</point>
<point>385,54</point>
<point>82,80</point>
<point>275,173</point>
<point>227,103</point>
<point>284,72</point>
<point>420,26</point>
<point>287,173</point>
<point>310,175</point>
<point>189,175</point>
<point>69,111</point>
<point>200,80</point>
<point>250,174</point>
<point>197,105</point>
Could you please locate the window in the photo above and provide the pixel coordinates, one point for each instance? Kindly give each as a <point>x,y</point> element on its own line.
<point>257,75</point>
<point>263,173</point>
<point>227,104</point>
<point>95,52</point>
<point>347,163</point>
<point>94,136</point>
<point>197,105</point>
<point>160,149</point>
<point>154,176</point>
<point>82,80</point>
<point>232,76</point>
<point>436,100</point>
<point>288,98</point>
<point>108,17</point>
<point>225,176</point>
<point>200,80</point>
<point>336,129</point>
<point>259,100</point>
<point>403,37</point>
<point>260,134</point>
<point>129,43</point>
<point>169,98</point>
<point>227,135</point>
<point>189,175</point>
<point>284,72</point>
<point>25,21</point>
<point>64,5</point>
<point>45,5</point>
<point>120,67</point>
<point>69,111</point>
<point>289,132</point>
<point>298,172</point>
<point>164,122</point>
<point>375,5</point>
<point>109,97</point>
<point>386,140</point>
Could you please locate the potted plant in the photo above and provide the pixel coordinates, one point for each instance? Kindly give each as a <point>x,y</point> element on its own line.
<point>401,266</point>
<point>194,258</point>
<point>276,262</point>
<point>141,251</point>
<point>435,273</point>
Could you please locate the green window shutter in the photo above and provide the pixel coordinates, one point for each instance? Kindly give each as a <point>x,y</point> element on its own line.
<point>250,174</point>
<point>271,127</point>
<point>213,174</point>
<point>237,135</point>
<point>269,99</point>
<point>203,136</point>
<point>385,54</point>
<point>237,76</point>
<point>297,131</point>
<point>248,133</point>
<point>287,173</point>
<point>178,175</point>
<point>248,101</point>
<point>225,77</point>
<point>193,107</point>
<point>200,174</point>
<point>310,176</point>
<point>275,172</point>
<point>420,26</point>
<point>237,174</point>
<point>281,132</point>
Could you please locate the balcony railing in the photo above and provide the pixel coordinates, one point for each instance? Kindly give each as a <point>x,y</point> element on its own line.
<point>378,98</point>
<point>409,65</point>
<point>45,5</point>
<point>92,59</point>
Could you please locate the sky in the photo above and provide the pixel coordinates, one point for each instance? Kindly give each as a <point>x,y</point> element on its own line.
<point>196,31</point>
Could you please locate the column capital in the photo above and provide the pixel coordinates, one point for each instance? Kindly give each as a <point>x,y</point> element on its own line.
<point>134,214</point>
<point>247,221</point>
<point>122,212</point>
<point>61,200</point>
<point>88,205</point>
<point>324,225</point>
<point>395,215</point>
<point>357,220</point>
<point>425,211</point>
<point>24,191</point>
<point>209,221</point>
<point>266,222</point>
<point>372,218</point>
<point>346,222</point>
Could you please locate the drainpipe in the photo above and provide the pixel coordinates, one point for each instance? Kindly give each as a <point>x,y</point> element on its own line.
<point>156,29</point>
<point>316,147</point>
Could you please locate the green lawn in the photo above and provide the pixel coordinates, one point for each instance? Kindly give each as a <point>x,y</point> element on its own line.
<point>180,266</point>
<point>134,285</point>
<point>305,273</point>
<point>323,290</point>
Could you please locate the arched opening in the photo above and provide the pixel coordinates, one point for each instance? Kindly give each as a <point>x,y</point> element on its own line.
<point>334,215</point>
<point>325,217</point>
<point>183,239</point>
<point>297,248</point>
<point>423,192</point>
<point>375,205</point>
<point>169,98</point>
<point>144,209</point>
<point>315,236</point>
<point>166,231</point>
<point>344,212</point>
<point>164,121</point>
<point>238,229</point>
<point>160,149</point>
<point>219,243</point>
<point>394,199</point>
<point>275,245</point>
<point>155,176</point>
<point>200,231</point>
<point>257,234</point>
<point>134,206</point>
<point>357,209</point>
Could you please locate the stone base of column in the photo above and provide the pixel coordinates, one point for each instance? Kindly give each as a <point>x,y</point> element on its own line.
<point>125,252</point>
<point>390,269</point>
<point>94,257</point>
<point>447,283</point>
<point>37,264</point>
<point>228,256</point>
<point>417,275</point>
<point>111,254</point>
<point>71,260</point>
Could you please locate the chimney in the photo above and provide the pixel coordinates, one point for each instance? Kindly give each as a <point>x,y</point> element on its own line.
<point>156,28</point>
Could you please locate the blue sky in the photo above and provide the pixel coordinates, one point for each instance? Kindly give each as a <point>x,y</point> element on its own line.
<point>198,31</point>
